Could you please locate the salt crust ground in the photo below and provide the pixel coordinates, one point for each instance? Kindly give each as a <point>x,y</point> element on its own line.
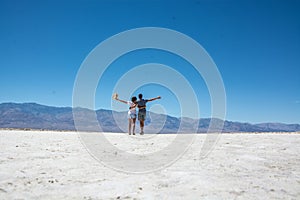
<point>55,165</point>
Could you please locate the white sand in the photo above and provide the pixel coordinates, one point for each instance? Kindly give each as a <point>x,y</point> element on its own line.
<point>55,165</point>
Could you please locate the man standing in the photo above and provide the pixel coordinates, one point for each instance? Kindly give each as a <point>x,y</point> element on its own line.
<point>142,110</point>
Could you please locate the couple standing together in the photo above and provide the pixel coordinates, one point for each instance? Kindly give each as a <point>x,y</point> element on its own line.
<point>141,104</point>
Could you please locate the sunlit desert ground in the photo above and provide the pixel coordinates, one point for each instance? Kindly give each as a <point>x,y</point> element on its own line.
<point>56,165</point>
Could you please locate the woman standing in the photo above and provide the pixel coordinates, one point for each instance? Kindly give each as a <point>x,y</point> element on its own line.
<point>131,112</point>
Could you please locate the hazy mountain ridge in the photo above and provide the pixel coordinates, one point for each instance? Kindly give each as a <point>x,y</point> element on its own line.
<point>36,116</point>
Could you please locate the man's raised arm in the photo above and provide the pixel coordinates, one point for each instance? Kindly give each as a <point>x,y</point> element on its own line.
<point>159,97</point>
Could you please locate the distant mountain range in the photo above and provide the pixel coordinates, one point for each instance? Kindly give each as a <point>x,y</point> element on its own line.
<point>35,116</point>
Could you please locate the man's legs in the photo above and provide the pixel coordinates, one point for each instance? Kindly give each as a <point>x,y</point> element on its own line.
<point>142,126</point>
<point>141,118</point>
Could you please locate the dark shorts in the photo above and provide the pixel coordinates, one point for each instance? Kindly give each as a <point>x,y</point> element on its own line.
<point>142,115</point>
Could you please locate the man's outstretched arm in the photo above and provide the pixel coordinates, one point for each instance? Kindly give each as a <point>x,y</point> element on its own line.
<point>159,97</point>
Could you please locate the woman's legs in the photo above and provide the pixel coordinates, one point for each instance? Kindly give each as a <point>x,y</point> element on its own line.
<point>129,126</point>
<point>133,126</point>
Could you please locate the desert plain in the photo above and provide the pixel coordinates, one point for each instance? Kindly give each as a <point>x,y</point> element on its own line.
<point>57,165</point>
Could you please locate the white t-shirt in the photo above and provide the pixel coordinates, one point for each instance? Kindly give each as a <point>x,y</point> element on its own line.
<point>131,110</point>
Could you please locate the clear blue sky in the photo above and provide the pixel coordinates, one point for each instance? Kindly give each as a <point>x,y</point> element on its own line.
<point>255,44</point>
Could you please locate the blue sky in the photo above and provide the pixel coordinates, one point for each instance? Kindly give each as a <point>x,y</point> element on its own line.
<point>255,45</point>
